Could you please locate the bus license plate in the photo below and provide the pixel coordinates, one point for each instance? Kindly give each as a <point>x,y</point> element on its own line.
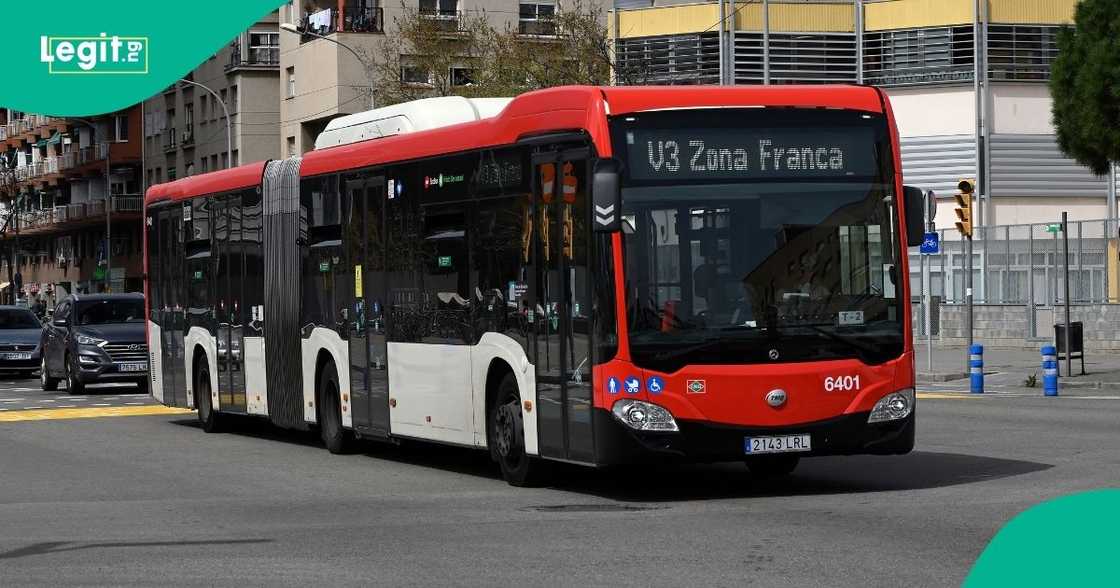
<point>17,356</point>
<point>781,444</point>
<point>134,367</point>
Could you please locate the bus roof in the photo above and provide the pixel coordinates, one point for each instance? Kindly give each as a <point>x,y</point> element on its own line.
<point>569,108</point>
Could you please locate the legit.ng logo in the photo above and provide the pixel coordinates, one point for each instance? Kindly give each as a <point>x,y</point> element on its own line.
<point>102,54</point>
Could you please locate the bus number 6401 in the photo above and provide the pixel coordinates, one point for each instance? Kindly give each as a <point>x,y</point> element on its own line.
<point>841,383</point>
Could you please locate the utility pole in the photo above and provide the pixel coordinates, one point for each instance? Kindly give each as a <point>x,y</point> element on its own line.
<point>1069,326</point>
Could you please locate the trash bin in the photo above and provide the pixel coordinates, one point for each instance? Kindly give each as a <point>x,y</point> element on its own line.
<point>1076,343</point>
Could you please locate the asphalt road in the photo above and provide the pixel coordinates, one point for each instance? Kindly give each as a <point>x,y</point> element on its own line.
<point>142,500</point>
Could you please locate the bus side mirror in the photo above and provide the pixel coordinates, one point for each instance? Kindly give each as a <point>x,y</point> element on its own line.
<point>915,225</point>
<point>606,196</point>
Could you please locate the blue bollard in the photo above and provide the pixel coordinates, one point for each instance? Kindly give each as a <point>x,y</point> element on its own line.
<point>976,369</point>
<point>1049,370</point>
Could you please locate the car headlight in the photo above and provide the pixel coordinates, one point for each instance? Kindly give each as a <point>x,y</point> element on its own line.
<point>643,416</point>
<point>87,340</point>
<point>893,406</point>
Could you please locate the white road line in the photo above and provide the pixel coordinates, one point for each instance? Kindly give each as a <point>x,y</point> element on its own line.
<point>99,404</point>
<point>46,400</point>
<point>111,398</point>
<point>11,399</point>
<point>3,409</point>
<point>68,406</point>
<point>135,403</point>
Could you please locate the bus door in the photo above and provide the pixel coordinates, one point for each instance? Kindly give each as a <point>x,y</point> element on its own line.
<point>170,234</point>
<point>364,236</point>
<point>229,265</point>
<point>559,309</point>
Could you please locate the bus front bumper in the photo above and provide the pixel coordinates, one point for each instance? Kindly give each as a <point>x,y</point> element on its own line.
<point>704,441</point>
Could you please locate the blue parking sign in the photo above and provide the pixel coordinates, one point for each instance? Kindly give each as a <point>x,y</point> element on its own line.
<point>929,243</point>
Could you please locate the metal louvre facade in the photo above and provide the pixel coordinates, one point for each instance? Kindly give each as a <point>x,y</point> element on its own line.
<point>282,296</point>
<point>669,60</point>
<point>919,56</point>
<point>1022,53</point>
<point>796,58</point>
<point>938,163</point>
<point>1033,165</point>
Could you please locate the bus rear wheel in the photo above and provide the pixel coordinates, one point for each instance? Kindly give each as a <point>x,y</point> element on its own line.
<point>507,438</point>
<point>209,418</point>
<point>337,439</point>
<point>773,466</point>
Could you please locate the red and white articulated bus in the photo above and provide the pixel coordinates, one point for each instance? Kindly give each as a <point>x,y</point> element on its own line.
<point>581,274</point>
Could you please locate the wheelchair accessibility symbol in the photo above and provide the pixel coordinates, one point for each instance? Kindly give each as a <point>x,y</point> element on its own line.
<point>655,385</point>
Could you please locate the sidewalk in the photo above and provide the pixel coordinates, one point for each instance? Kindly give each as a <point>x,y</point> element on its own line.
<point>1011,368</point>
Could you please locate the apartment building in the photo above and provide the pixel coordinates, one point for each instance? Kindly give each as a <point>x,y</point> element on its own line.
<point>185,129</point>
<point>322,80</point>
<point>65,183</point>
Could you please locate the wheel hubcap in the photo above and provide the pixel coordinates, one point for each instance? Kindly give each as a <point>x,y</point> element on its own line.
<point>505,430</point>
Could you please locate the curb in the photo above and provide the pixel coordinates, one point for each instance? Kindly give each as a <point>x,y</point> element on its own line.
<point>939,376</point>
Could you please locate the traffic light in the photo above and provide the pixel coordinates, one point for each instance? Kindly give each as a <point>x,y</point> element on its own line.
<point>964,206</point>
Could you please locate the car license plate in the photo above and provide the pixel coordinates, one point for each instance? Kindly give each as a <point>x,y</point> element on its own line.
<point>134,367</point>
<point>779,444</point>
<point>17,356</point>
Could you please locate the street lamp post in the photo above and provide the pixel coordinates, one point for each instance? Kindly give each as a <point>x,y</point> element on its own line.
<point>229,132</point>
<point>291,28</point>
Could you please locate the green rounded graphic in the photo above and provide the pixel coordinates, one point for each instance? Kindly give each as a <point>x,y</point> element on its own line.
<point>95,57</point>
<point>1068,541</point>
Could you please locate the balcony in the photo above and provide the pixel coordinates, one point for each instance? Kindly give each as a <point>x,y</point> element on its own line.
<point>169,142</point>
<point>124,203</point>
<point>442,20</point>
<point>537,27</point>
<point>91,153</point>
<point>263,57</point>
<point>187,138</point>
<point>354,20</point>
<point>68,216</point>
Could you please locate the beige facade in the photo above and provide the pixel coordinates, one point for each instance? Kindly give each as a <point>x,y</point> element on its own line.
<point>321,80</point>
<point>185,127</point>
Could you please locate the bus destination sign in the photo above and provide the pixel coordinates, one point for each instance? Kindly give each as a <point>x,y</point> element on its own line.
<point>754,154</point>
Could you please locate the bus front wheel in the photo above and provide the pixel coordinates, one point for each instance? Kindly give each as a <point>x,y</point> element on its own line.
<point>507,438</point>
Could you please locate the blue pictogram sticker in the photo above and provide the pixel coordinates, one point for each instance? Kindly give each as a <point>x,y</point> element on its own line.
<point>655,385</point>
<point>613,385</point>
<point>633,385</point>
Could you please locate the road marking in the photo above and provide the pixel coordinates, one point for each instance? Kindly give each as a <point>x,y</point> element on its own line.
<point>11,399</point>
<point>46,400</point>
<point>135,403</point>
<point>101,404</point>
<point>43,414</point>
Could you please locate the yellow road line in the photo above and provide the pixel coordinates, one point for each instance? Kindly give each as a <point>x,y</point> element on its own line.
<point>944,396</point>
<point>88,413</point>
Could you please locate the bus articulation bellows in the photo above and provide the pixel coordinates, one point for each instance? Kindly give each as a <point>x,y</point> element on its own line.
<point>590,275</point>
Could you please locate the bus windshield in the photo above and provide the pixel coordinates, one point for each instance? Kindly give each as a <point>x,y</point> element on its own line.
<point>759,236</point>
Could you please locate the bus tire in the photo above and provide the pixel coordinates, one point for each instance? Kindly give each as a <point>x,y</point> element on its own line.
<point>337,439</point>
<point>210,419</point>
<point>507,438</point>
<point>773,466</point>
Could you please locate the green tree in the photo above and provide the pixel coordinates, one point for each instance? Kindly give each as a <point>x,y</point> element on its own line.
<point>1085,85</point>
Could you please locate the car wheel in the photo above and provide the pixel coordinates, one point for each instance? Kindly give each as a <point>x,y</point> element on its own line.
<point>209,418</point>
<point>73,384</point>
<point>773,466</point>
<point>337,439</point>
<point>48,383</point>
<point>507,438</point>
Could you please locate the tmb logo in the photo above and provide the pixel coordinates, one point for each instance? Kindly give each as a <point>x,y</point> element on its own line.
<point>94,55</point>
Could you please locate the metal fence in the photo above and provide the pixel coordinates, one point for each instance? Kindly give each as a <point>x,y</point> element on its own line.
<point>1022,264</point>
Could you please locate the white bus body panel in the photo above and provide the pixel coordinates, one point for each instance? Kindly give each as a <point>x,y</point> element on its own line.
<point>256,388</point>
<point>329,340</point>
<point>408,117</point>
<point>431,386</point>
<point>197,336</point>
<point>155,361</point>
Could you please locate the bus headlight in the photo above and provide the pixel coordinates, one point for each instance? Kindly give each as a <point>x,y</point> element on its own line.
<point>893,406</point>
<point>643,416</point>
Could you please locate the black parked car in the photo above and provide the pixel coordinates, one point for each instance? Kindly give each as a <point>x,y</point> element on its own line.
<point>95,338</point>
<point>20,333</point>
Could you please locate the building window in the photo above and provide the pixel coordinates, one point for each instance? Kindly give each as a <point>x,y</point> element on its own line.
<point>171,174</point>
<point>225,160</point>
<point>236,158</point>
<point>291,146</point>
<point>445,8</point>
<point>462,76</point>
<point>214,162</point>
<point>159,175</point>
<point>202,107</point>
<point>203,165</point>
<point>676,59</point>
<point>188,123</point>
<point>233,99</point>
<point>120,127</point>
<point>918,56</point>
<point>225,100</point>
<point>264,47</point>
<point>537,19</point>
<point>411,74</point>
<point>1019,52</point>
<point>291,75</point>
